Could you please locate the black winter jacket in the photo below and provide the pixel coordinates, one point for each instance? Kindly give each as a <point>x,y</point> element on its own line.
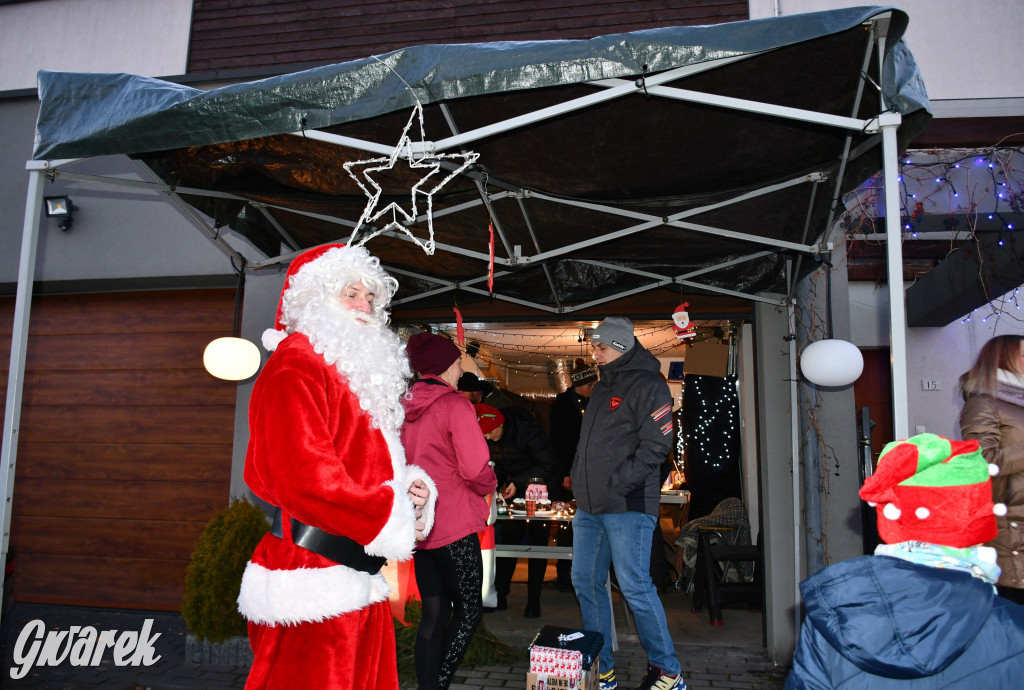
<point>523,451</point>
<point>626,436</point>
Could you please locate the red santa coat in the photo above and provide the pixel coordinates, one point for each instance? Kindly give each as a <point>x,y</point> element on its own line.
<point>313,453</point>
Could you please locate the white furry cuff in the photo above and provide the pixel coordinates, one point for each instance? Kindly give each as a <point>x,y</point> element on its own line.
<point>306,595</point>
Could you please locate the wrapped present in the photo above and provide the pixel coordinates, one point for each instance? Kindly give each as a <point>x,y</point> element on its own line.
<point>564,658</point>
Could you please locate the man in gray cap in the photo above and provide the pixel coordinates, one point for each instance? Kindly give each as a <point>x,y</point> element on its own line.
<point>626,436</point>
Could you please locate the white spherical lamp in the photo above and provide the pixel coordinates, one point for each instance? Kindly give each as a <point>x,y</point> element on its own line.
<point>831,363</point>
<point>231,359</point>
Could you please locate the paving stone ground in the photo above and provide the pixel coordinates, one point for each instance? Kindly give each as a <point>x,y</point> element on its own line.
<point>716,666</point>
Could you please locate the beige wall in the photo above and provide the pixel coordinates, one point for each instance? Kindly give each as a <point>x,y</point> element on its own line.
<point>147,37</point>
<point>966,50</point>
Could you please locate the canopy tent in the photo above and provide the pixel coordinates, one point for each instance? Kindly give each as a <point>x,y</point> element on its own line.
<point>710,158</point>
<point>704,156</point>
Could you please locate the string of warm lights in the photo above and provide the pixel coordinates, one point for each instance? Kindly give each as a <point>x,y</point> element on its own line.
<point>504,354</point>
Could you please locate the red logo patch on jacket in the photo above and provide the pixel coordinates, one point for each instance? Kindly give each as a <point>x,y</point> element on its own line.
<point>614,403</point>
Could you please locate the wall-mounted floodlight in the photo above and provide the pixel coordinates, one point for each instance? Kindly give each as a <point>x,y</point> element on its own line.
<point>61,207</point>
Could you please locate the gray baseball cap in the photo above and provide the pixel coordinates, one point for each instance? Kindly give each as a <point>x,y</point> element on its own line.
<point>616,332</point>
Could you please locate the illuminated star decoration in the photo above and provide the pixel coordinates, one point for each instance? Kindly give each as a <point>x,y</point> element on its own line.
<point>400,219</point>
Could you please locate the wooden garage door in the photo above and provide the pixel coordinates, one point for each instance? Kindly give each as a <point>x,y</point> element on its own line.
<point>125,445</point>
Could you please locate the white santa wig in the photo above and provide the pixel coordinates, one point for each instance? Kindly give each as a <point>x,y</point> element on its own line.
<point>365,351</point>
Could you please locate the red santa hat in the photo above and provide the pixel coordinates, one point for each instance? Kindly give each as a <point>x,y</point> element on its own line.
<point>931,489</point>
<point>489,418</point>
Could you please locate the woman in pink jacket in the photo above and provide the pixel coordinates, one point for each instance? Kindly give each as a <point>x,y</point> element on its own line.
<point>442,436</point>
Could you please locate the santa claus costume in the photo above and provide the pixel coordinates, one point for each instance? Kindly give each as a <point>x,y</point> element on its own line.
<point>324,420</point>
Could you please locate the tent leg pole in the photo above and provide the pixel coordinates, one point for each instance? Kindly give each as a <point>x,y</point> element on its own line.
<point>794,423</point>
<point>19,348</point>
<point>890,122</point>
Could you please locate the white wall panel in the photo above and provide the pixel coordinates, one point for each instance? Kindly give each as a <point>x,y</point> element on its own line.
<point>965,48</point>
<point>147,37</point>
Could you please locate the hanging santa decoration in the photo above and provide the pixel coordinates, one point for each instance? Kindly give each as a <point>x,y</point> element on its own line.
<point>681,322</point>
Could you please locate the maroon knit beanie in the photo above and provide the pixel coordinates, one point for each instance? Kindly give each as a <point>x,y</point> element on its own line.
<point>431,354</point>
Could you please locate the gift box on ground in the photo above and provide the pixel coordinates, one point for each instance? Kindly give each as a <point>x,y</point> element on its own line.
<point>564,659</point>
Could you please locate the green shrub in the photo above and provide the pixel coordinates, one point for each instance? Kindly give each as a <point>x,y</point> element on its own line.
<point>210,608</point>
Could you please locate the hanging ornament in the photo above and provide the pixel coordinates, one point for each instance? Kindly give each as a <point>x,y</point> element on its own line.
<point>400,219</point>
<point>460,332</point>
<point>490,265</point>
<point>831,363</point>
<point>681,322</point>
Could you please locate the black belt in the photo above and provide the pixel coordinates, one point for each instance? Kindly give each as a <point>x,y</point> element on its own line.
<point>339,549</point>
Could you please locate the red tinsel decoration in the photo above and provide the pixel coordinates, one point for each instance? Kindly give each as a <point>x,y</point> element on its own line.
<point>460,332</point>
<point>490,266</point>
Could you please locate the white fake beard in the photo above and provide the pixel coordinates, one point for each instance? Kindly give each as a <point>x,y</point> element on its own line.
<point>368,355</point>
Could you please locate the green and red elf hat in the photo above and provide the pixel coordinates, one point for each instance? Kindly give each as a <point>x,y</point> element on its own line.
<point>931,489</point>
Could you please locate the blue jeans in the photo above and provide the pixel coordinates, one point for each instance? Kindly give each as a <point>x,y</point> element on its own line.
<point>622,540</point>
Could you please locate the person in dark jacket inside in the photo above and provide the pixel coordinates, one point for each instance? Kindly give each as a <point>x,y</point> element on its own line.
<point>520,452</point>
<point>566,421</point>
<point>478,390</point>
<point>625,438</point>
<point>922,612</point>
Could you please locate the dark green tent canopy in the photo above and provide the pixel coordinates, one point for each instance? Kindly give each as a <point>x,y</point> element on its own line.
<point>703,157</point>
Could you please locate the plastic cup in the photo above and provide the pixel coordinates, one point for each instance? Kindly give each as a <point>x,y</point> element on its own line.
<point>531,507</point>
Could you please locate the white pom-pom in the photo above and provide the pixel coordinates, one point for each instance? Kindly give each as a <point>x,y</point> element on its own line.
<point>922,513</point>
<point>993,469</point>
<point>891,512</point>
<point>272,338</point>
<point>999,509</point>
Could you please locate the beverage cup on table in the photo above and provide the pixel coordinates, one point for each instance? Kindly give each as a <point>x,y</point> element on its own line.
<point>534,492</point>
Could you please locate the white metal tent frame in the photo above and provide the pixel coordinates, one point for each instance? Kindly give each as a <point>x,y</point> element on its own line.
<point>885,125</point>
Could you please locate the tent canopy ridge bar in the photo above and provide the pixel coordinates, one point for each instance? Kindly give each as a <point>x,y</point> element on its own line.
<point>744,105</point>
<point>213,233</point>
<point>142,185</point>
<point>733,293</point>
<point>625,88</point>
<point>675,220</point>
<point>620,295</point>
<point>448,285</point>
<point>658,276</point>
<point>513,300</point>
<point>32,165</point>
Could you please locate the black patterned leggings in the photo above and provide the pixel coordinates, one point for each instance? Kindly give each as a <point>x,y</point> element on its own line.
<point>449,580</point>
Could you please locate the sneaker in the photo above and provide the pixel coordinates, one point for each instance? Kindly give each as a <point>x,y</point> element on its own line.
<point>606,681</point>
<point>656,680</point>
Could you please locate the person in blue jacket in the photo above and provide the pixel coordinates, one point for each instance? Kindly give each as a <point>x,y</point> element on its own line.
<point>922,612</point>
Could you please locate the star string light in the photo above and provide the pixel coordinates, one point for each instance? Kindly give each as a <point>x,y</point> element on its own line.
<point>416,158</point>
